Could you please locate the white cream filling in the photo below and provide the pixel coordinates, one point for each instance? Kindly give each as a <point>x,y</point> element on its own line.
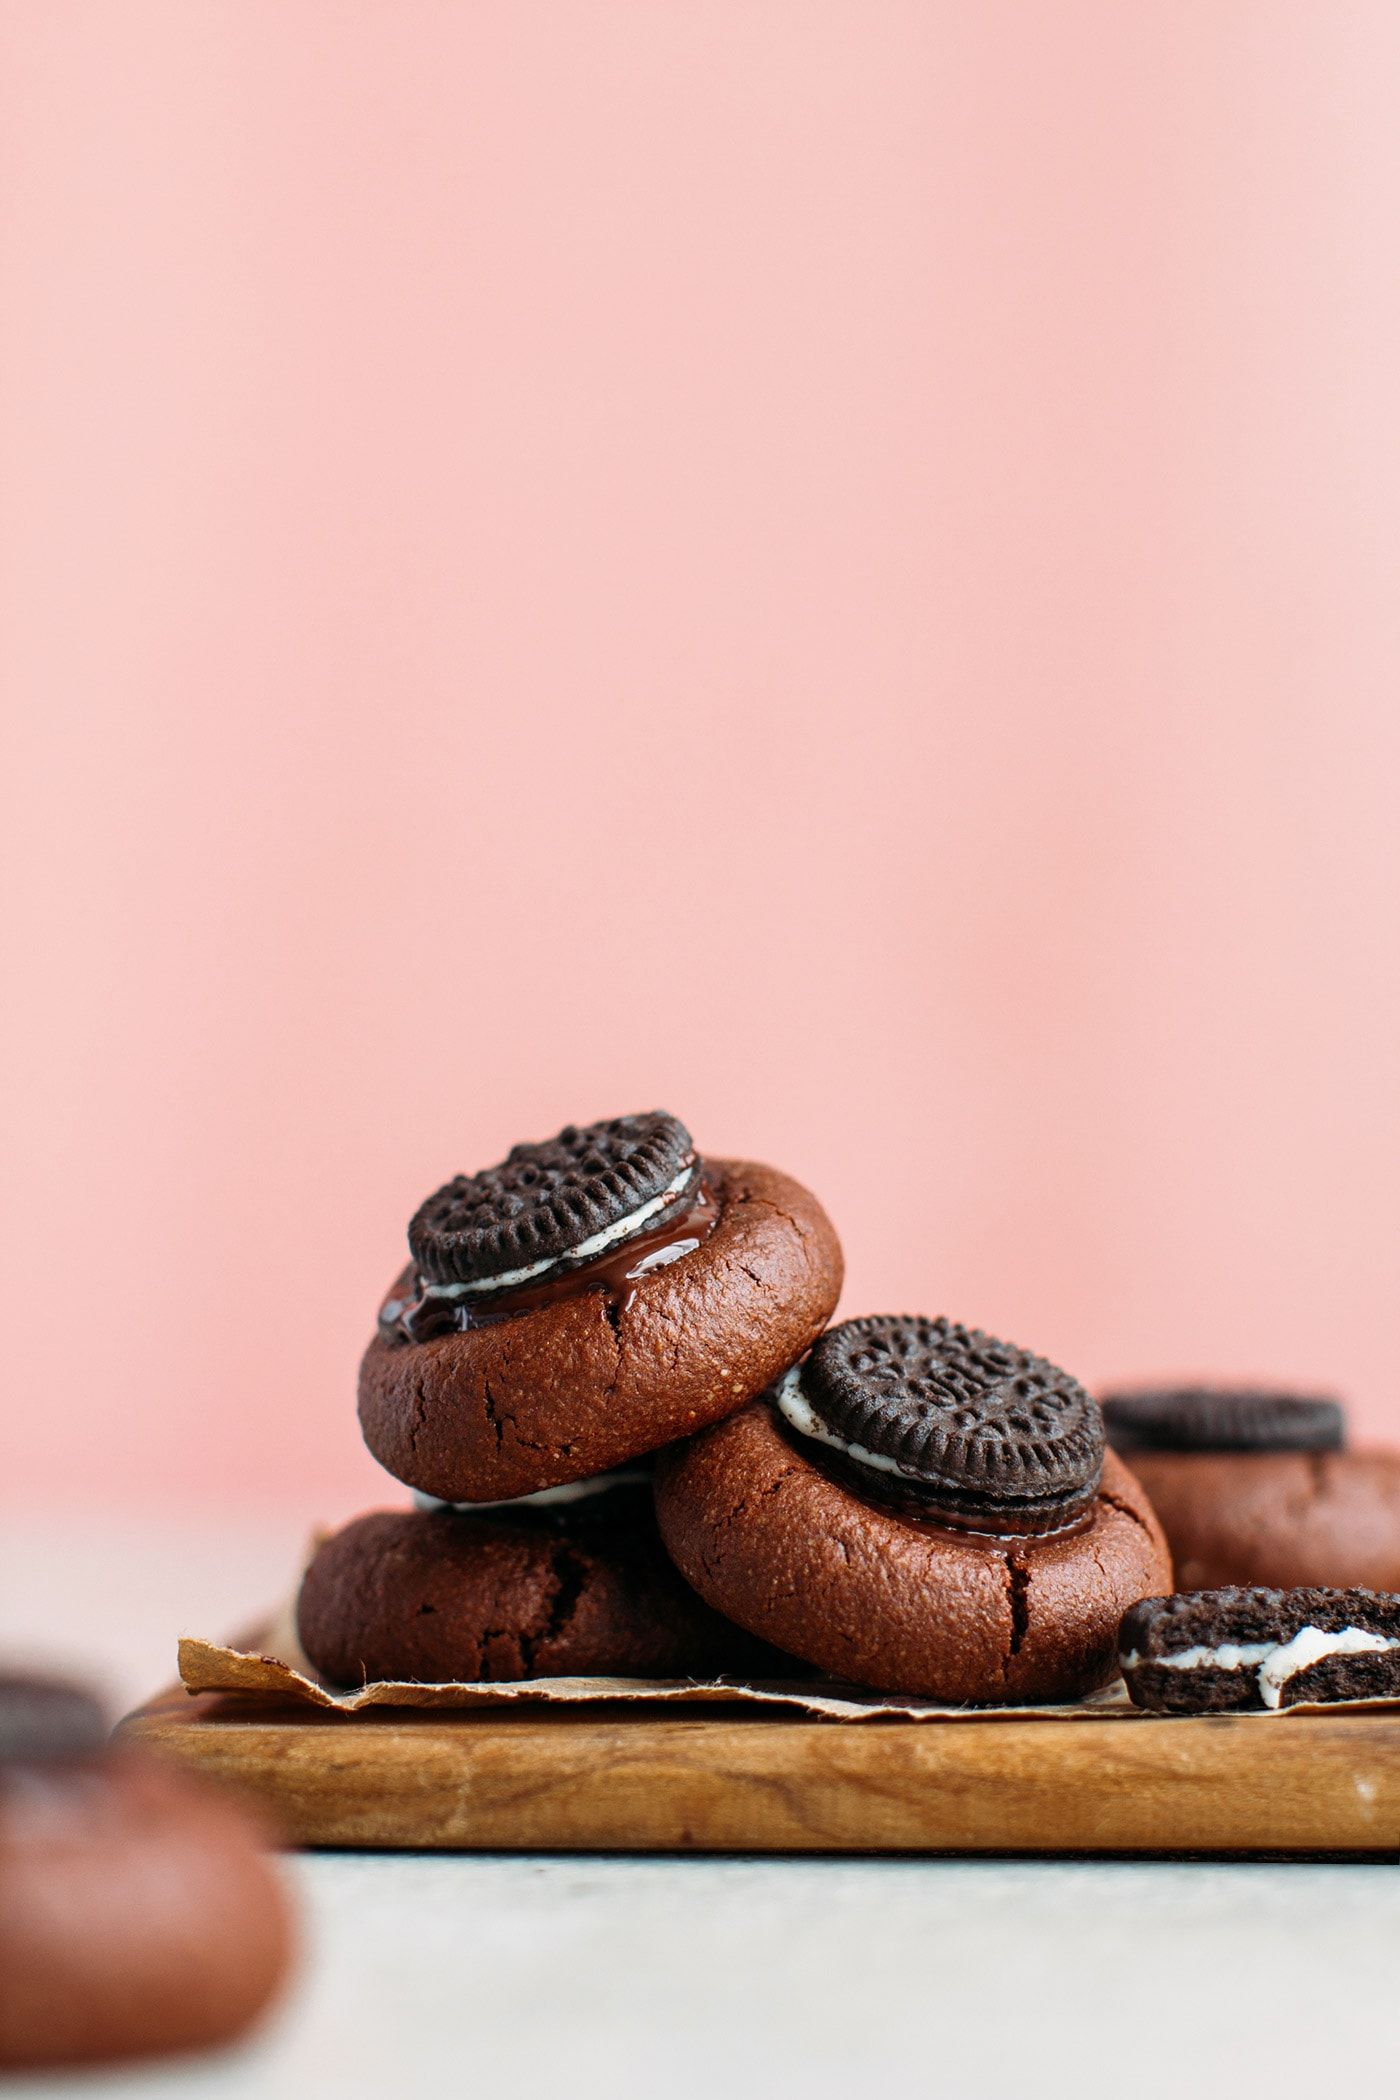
<point>794,1407</point>
<point>545,1498</point>
<point>1277,1661</point>
<point>585,1251</point>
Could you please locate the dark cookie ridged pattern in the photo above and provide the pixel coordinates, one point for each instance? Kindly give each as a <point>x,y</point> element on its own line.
<point>546,1199</point>
<point>1216,1418</point>
<point>988,1429</point>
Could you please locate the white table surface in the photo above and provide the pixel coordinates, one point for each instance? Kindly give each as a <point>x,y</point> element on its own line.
<point>736,1977</point>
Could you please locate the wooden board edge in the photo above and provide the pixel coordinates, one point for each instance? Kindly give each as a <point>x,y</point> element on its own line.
<point>681,1780</point>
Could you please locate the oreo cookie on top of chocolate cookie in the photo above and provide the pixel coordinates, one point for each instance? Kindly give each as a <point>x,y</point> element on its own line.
<point>552,1205</point>
<point>950,1422</point>
<point>919,1507</point>
<point>1222,1418</point>
<point>1259,1487</point>
<point>591,1297</point>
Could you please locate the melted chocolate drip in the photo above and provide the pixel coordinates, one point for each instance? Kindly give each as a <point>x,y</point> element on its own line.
<point>920,1507</point>
<point>410,1314</point>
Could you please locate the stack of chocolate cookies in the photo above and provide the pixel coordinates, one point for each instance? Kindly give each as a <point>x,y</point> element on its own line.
<point>637,1449</point>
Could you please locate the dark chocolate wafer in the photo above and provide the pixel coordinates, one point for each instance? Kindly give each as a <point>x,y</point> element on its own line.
<point>983,1432</point>
<point>547,1202</point>
<point>1222,1418</point>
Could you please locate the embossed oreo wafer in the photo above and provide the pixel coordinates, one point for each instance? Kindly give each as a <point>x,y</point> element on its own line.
<point>1222,1418</point>
<point>562,1200</point>
<point>979,1433</point>
<point>1222,1651</point>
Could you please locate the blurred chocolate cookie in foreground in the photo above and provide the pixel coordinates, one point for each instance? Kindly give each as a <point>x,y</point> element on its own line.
<point>138,1915</point>
<point>923,1508</point>
<point>1255,1487</point>
<point>593,1297</point>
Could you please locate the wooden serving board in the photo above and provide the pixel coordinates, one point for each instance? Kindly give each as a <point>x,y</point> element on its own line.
<point>718,1779</point>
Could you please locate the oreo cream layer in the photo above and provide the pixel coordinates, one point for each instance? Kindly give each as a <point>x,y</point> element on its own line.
<point>546,1498</point>
<point>587,1250</point>
<point>1276,1662</point>
<point>795,1408</point>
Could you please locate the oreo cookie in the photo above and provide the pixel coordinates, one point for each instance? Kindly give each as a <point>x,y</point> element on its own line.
<point>1230,1650</point>
<point>965,1429</point>
<point>44,1721</point>
<point>551,1202</point>
<point>1221,1418</point>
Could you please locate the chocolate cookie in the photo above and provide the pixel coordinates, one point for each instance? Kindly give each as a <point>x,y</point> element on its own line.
<point>977,1547</point>
<point>586,1302</point>
<point>1252,1488</point>
<point>1221,1651</point>
<point>575,1590</point>
<point>137,1915</point>
<point>1222,1418</point>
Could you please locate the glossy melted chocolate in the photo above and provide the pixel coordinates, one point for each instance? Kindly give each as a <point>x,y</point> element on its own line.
<point>409,1314</point>
<point>919,1507</point>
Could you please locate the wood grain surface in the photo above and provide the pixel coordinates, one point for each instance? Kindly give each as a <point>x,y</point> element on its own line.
<point>609,1779</point>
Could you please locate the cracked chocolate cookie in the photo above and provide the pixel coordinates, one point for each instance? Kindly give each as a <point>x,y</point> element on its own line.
<point>137,1914</point>
<point>920,1508</point>
<point>538,1588</point>
<point>1228,1650</point>
<point>587,1301</point>
<point>1254,1488</point>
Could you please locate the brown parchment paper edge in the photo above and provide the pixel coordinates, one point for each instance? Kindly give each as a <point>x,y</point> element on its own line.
<point>272,1664</point>
<point>207,1667</point>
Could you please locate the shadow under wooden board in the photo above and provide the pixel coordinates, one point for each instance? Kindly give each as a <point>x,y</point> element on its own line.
<point>603,1778</point>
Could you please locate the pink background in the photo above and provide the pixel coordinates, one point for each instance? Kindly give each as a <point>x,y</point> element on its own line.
<point>829,564</point>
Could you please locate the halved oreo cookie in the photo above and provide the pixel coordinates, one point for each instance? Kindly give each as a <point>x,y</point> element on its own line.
<point>551,1202</point>
<point>1222,1418</point>
<point>982,1435</point>
<point>1221,1651</point>
<point>45,1721</point>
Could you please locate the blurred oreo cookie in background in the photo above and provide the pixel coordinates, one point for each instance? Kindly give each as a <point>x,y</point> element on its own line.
<point>1257,1486</point>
